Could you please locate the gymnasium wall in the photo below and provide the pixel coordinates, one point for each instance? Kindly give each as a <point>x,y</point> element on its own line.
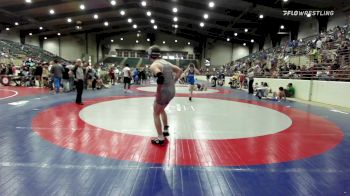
<point>11,35</point>
<point>307,28</point>
<point>222,52</point>
<point>326,92</point>
<point>339,19</point>
<point>32,40</point>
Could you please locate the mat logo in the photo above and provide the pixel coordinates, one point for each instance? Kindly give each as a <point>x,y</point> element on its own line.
<point>180,108</point>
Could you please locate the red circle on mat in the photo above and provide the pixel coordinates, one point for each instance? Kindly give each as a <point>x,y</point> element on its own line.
<point>221,91</point>
<point>309,135</point>
<point>6,93</point>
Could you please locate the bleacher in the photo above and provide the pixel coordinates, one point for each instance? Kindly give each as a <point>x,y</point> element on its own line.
<point>113,60</point>
<point>17,50</point>
<point>132,61</point>
<point>185,63</point>
<point>145,61</point>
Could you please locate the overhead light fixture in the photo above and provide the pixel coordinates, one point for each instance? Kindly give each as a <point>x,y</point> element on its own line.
<point>148,39</point>
<point>59,34</point>
<point>175,10</point>
<point>69,20</point>
<point>52,11</point>
<point>138,35</point>
<point>176,26</point>
<point>144,3</point>
<point>245,30</point>
<point>152,21</point>
<point>28,1</point>
<point>201,24</point>
<point>113,2</point>
<point>112,40</point>
<point>176,41</point>
<point>122,12</point>
<point>78,27</point>
<point>134,26</point>
<point>7,29</point>
<point>252,40</point>
<point>121,39</point>
<point>95,16</point>
<point>282,27</point>
<point>308,15</point>
<point>175,19</point>
<point>149,13</point>
<point>211,4</point>
<point>106,24</point>
<point>236,34</point>
<point>285,0</point>
<point>45,37</point>
<point>189,43</point>
<point>137,41</point>
<point>261,16</point>
<point>163,42</point>
<point>228,39</point>
<point>30,34</point>
<point>205,16</point>
<point>155,27</point>
<point>129,20</point>
<point>16,23</point>
<point>244,44</point>
<point>41,28</point>
<point>82,7</point>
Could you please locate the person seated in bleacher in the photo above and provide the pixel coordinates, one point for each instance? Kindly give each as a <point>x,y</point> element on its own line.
<point>290,90</point>
<point>262,91</point>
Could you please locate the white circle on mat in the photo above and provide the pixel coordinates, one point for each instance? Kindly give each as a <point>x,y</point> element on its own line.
<point>179,89</point>
<point>202,118</point>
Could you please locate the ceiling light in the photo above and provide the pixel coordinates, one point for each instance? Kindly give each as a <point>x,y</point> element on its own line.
<point>138,35</point>
<point>244,44</point>
<point>155,27</point>
<point>245,30</point>
<point>205,16</point>
<point>78,27</point>
<point>106,24</point>
<point>82,7</point>
<point>16,23</point>
<point>45,37</point>
<point>122,12</point>
<point>175,19</point>
<point>41,28</point>
<point>7,29</point>
<point>228,39</point>
<point>163,42</point>
<point>308,15</point>
<point>69,20</point>
<point>112,40</point>
<point>121,39</point>
<point>148,39</point>
<point>201,24</point>
<point>236,34</point>
<point>152,21</point>
<point>144,3</point>
<point>137,41</point>
<point>30,34</point>
<point>176,26</point>
<point>96,16</point>
<point>211,4</point>
<point>52,11</point>
<point>134,26</point>
<point>189,43</point>
<point>176,41</point>
<point>58,34</point>
<point>252,40</point>
<point>149,13</point>
<point>175,10</point>
<point>28,1</point>
<point>113,2</point>
<point>129,20</point>
<point>282,27</point>
<point>261,16</point>
<point>285,0</point>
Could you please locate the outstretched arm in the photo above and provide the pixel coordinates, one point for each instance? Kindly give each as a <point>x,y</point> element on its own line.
<point>177,71</point>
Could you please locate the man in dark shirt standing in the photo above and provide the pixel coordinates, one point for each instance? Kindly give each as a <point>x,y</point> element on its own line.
<point>57,71</point>
<point>79,77</point>
<point>38,74</point>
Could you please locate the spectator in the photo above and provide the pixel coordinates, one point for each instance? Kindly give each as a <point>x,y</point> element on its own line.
<point>290,91</point>
<point>57,72</point>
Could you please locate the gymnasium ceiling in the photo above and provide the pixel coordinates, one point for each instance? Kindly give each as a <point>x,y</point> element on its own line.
<point>225,19</point>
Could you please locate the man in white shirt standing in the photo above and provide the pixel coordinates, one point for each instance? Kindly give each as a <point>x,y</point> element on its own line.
<point>127,77</point>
